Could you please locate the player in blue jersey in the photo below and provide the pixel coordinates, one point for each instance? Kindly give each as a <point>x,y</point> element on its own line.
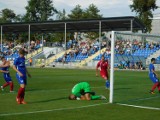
<point>5,69</point>
<point>153,76</point>
<point>21,75</point>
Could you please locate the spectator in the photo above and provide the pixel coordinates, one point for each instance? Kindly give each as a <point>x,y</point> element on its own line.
<point>30,61</point>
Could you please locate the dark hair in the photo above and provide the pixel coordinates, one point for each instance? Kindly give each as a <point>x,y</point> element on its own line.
<point>153,59</point>
<point>2,57</point>
<point>21,51</point>
<point>102,57</point>
<point>69,97</point>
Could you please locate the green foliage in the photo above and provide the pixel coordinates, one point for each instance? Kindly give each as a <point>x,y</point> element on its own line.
<point>144,9</point>
<point>7,16</point>
<point>19,18</point>
<point>92,12</point>
<point>43,10</point>
<point>17,38</point>
<point>61,15</point>
<point>89,13</point>
<point>92,35</point>
<point>39,10</point>
<point>76,13</point>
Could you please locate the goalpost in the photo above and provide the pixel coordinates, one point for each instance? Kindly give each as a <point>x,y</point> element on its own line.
<point>140,48</point>
<point>112,68</point>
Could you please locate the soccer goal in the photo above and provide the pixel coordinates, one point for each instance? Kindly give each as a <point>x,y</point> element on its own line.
<point>130,56</point>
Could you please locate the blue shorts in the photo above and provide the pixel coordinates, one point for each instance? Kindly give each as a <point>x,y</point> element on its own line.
<point>21,80</point>
<point>153,78</point>
<point>7,78</point>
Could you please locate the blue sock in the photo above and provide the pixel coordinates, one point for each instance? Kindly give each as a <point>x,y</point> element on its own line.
<point>107,84</point>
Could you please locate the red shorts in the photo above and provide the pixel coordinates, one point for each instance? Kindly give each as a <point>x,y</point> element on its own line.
<point>104,74</point>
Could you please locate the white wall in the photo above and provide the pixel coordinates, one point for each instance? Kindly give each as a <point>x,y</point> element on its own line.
<point>51,50</point>
<point>157,67</point>
<point>156,26</point>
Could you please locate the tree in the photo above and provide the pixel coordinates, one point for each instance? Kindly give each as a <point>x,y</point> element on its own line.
<point>39,10</point>
<point>19,18</point>
<point>92,12</point>
<point>76,13</point>
<point>144,9</point>
<point>61,15</point>
<point>7,15</point>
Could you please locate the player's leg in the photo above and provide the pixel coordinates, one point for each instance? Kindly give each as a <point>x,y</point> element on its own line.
<point>95,97</point>
<point>9,80</point>
<point>156,84</point>
<point>21,90</point>
<point>87,90</point>
<point>23,94</point>
<point>87,96</point>
<point>20,95</point>
<point>153,88</point>
<point>4,85</point>
<point>11,86</point>
<point>158,87</point>
<point>107,83</point>
<point>104,75</point>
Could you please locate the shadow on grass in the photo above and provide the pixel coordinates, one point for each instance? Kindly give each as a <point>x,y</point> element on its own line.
<point>33,90</point>
<point>48,100</point>
<point>122,88</point>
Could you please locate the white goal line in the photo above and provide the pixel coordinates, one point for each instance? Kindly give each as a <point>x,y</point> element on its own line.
<point>136,106</point>
<point>51,110</point>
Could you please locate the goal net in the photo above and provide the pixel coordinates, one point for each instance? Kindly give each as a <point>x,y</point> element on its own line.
<point>130,57</point>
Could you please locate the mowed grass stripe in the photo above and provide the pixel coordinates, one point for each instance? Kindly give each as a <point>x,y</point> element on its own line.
<point>48,90</point>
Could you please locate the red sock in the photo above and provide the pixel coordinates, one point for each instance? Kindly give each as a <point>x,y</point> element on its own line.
<point>158,86</point>
<point>23,93</point>
<point>20,92</point>
<point>6,84</point>
<point>154,86</point>
<point>11,86</point>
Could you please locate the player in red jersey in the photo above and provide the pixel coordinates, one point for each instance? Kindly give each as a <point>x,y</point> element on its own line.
<point>103,66</point>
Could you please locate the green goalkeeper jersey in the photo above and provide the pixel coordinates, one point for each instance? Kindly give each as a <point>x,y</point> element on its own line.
<point>78,88</point>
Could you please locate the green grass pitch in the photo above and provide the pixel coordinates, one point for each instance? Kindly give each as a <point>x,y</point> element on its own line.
<point>48,89</point>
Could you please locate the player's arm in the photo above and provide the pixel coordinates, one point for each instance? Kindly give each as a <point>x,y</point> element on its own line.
<point>154,72</point>
<point>85,97</point>
<point>97,69</point>
<point>82,97</point>
<point>7,64</point>
<point>4,71</point>
<point>29,75</point>
<point>14,68</point>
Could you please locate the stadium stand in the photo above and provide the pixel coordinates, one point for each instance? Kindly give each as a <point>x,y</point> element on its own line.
<point>10,49</point>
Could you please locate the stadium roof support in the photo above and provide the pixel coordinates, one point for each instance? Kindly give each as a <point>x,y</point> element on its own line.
<point>29,36</point>
<point>1,36</point>
<point>100,32</point>
<point>129,23</point>
<point>65,35</point>
<point>108,24</point>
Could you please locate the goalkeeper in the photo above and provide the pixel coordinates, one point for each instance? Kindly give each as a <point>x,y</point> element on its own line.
<point>82,91</point>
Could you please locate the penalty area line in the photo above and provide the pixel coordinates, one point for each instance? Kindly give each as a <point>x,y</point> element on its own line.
<point>51,110</point>
<point>136,106</point>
